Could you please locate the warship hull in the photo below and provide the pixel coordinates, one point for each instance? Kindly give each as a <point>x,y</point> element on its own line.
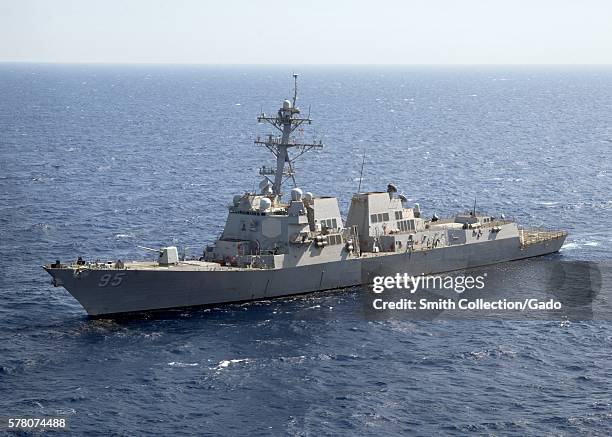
<point>116,291</point>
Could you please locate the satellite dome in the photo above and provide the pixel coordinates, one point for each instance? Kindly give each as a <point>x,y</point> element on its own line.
<point>296,194</point>
<point>265,204</point>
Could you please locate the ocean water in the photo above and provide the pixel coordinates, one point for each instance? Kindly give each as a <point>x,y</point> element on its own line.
<point>96,160</point>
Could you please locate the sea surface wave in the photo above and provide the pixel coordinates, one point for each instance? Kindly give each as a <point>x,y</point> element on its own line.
<point>99,159</point>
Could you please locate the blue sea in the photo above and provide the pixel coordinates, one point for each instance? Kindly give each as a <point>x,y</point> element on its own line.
<point>99,159</point>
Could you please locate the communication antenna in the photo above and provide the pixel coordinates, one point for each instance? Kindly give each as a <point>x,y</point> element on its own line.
<point>474,210</point>
<point>361,174</point>
<point>295,76</point>
<point>287,120</point>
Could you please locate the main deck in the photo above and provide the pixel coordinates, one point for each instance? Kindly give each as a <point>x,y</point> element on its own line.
<point>533,236</point>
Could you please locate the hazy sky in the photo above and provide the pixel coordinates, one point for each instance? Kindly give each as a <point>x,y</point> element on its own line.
<point>308,32</point>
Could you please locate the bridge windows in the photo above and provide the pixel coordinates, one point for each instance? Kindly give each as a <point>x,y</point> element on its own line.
<point>405,225</point>
<point>334,239</point>
<point>329,223</point>
<point>379,218</point>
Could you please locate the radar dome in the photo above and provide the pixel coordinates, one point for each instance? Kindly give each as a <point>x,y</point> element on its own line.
<point>296,194</point>
<point>265,204</point>
<point>286,104</point>
<point>308,196</point>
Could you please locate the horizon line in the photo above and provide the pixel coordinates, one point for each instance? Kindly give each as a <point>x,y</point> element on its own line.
<point>238,64</point>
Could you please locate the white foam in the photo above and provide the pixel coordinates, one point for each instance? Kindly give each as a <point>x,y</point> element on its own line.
<point>226,363</point>
<point>179,364</point>
<point>569,246</point>
<point>575,245</point>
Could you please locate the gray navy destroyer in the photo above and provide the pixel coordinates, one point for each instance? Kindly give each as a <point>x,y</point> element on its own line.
<point>278,244</point>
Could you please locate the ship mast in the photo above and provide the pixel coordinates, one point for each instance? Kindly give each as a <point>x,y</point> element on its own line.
<point>286,121</point>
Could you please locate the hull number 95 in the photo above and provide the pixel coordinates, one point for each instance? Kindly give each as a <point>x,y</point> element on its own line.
<point>112,280</point>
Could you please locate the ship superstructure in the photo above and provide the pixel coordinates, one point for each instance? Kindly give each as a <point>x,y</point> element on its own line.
<point>265,231</point>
